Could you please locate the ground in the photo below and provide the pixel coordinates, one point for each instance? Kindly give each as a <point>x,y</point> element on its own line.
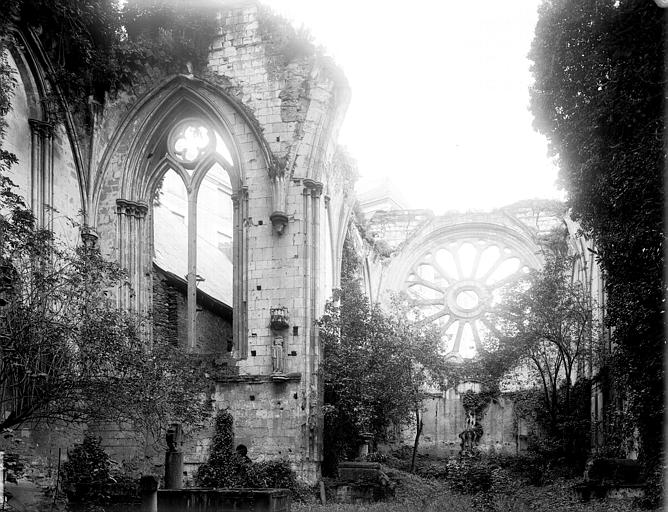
<point>556,497</point>
<point>494,484</point>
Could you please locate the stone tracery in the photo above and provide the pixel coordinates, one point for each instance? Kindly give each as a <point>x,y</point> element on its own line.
<point>455,282</point>
<point>453,269</point>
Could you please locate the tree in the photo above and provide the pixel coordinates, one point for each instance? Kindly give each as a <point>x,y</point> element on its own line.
<point>67,353</point>
<point>376,367</point>
<point>599,98</point>
<point>548,319</point>
<point>545,324</point>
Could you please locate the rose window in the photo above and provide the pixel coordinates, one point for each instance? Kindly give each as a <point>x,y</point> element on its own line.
<point>455,283</point>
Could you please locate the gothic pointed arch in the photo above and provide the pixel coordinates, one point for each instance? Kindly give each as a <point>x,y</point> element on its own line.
<point>141,151</point>
<point>44,143</point>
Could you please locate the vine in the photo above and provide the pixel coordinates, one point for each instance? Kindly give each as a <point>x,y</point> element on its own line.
<point>477,402</point>
<point>97,47</point>
<point>284,43</point>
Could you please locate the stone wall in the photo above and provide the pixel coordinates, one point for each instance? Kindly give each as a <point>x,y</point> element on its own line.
<point>46,174</point>
<point>279,111</point>
<point>399,242</point>
<point>444,419</point>
<point>214,326</point>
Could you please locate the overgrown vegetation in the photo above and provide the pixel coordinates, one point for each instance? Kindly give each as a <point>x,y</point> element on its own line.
<point>489,483</point>
<point>90,477</point>
<point>97,47</point>
<point>228,468</point>
<point>376,366</point>
<point>100,47</point>
<point>545,336</point>
<point>65,343</point>
<point>599,98</point>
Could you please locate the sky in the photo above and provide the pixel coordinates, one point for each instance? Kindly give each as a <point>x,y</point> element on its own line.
<point>439,97</point>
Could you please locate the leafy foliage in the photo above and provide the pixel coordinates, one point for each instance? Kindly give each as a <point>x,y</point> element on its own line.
<point>599,98</point>
<point>469,476</point>
<point>546,320</point>
<point>227,468</point>
<point>545,328</point>
<point>97,47</point>
<point>376,365</point>
<point>90,476</point>
<point>87,473</point>
<point>64,343</point>
<point>477,402</point>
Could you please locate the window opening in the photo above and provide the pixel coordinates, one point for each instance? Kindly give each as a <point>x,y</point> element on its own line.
<point>193,226</point>
<point>455,283</point>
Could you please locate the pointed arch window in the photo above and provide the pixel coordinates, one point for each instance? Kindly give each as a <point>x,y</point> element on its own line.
<point>193,227</point>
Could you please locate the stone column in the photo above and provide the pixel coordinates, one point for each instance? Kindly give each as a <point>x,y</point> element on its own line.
<point>132,245</point>
<point>41,172</point>
<point>174,458</point>
<point>192,269</point>
<point>312,195</point>
<point>240,259</point>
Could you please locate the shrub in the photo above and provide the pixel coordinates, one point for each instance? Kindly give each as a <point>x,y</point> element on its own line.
<point>86,474</point>
<point>469,476</point>
<point>226,468</point>
<point>91,477</point>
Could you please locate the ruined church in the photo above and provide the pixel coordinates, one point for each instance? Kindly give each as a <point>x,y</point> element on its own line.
<point>224,194</point>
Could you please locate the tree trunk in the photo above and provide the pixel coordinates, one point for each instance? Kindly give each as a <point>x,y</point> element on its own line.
<point>419,424</point>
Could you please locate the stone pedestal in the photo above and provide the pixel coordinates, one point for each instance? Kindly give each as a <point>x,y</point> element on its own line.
<point>173,470</point>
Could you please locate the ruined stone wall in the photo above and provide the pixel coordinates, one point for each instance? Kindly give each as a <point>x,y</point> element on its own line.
<point>398,244</point>
<point>169,320</point>
<point>46,173</point>
<point>444,419</point>
<point>165,311</point>
<point>279,109</point>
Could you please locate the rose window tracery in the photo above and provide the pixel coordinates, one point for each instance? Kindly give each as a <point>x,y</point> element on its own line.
<point>455,281</point>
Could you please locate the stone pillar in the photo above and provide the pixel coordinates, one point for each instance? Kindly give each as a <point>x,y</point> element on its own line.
<point>240,294</point>
<point>173,470</point>
<point>132,246</point>
<point>312,203</point>
<point>174,458</point>
<point>2,478</point>
<point>192,269</point>
<point>41,172</point>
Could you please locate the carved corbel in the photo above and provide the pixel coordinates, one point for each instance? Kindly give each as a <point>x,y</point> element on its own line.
<point>279,219</point>
<point>89,236</point>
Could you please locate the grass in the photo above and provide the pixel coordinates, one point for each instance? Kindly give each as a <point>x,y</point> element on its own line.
<point>551,498</point>
<point>508,493</point>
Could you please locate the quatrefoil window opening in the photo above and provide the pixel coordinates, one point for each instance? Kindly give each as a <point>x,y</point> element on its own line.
<point>190,141</point>
<point>454,285</point>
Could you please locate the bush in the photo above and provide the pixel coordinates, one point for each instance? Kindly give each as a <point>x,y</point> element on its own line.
<point>91,477</point>
<point>530,467</point>
<point>86,474</point>
<point>226,468</point>
<point>435,470</point>
<point>469,476</point>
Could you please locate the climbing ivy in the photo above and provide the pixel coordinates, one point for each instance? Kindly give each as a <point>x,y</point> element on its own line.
<point>284,44</point>
<point>599,98</point>
<point>96,47</point>
<point>476,402</point>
